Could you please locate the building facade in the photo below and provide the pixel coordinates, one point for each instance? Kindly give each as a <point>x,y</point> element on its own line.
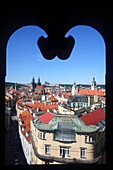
<point>55,138</point>
<point>66,140</point>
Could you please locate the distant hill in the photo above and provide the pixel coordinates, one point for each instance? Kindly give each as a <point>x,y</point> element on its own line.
<point>84,85</point>
<point>88,85</point>
<point>10,84</point>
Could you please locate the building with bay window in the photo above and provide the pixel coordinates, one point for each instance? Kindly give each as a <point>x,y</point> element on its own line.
<point>60,139</point>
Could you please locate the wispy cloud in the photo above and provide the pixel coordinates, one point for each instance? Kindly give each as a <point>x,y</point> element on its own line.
<point>38,57</point>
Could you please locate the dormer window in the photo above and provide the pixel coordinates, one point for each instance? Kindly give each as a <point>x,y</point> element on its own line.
<point>30,111</point>
<point>37,109</point>
<point>27,134</point>
<point>22,122</point>
<point>25,109</point>
<point>34,115</point>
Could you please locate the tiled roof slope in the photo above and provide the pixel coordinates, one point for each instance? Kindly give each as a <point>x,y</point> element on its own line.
<point>91,92</point>
<point>46,117</point>
<point>26,117</point>
<point>92,118</point>
<point>53,98</point>
<point>39,87</point>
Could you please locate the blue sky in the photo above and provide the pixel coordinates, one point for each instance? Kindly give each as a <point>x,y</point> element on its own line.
<point>87,60</point>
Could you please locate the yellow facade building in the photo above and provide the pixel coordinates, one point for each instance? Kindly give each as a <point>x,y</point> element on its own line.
<point>62,139</point>
<point>65,139</point>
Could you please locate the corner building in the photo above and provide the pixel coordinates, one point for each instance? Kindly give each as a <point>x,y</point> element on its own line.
<point>57,139</point>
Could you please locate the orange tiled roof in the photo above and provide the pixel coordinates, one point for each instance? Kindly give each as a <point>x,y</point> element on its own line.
<point>91,92</point>
<point>53,98</point>
<point>49,106</point>
<point>39,87</point>
<point>42,106</point>
<point>67,95</point>
<point>26,117</point>
<point>30,104</point>
<point>37,93</point>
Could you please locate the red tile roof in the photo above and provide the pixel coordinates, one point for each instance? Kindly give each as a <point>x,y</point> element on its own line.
<point>53,99</point>
<point>91,92</point>
<point>26,117</point>
<point>46,117</point>
<point>30,104</point>
<point>92,118</point>
<point>43,107</point>
<point>67,95</point>
<point>39,87</point>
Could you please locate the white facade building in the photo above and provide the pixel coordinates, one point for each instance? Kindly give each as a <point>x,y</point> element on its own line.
<point>26,146</point>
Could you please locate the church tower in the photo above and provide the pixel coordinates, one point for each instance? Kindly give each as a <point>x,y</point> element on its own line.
<point>94,84</point>
<point>74,89</point>
<point>39,83</point>
<point>33,84</point>
<point>15,86</point>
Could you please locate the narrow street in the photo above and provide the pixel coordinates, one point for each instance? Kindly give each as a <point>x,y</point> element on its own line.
<point>13,150</point>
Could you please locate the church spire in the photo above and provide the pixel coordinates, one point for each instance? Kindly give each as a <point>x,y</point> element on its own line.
<point>39,83</point>
<point>33,84</point>
<point>33,79</point>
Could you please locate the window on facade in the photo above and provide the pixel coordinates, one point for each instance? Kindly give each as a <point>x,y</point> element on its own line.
<point>47,149</point>
<point>65,135</point>
<point>89,138</point>
<point>64,152</point>
<point>44,135</point>
<point>41,135</point>
<point>83,152</point>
